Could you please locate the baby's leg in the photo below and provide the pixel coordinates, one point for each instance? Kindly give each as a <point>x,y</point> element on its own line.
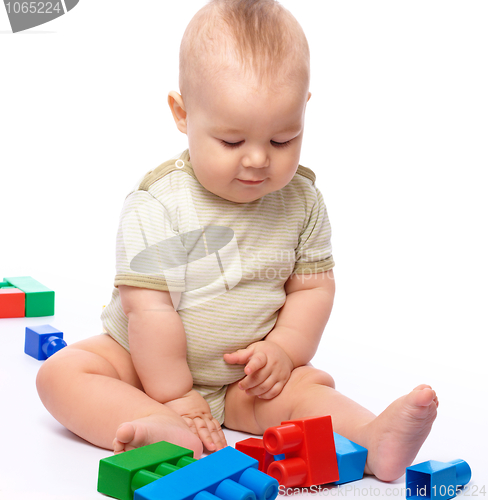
<point>392,439</point>
<point>92,388</point>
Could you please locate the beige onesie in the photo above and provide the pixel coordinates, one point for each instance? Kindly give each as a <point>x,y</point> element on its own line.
<point>230,261</point>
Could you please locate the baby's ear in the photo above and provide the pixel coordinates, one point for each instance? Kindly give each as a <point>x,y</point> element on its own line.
<point>177,107</point>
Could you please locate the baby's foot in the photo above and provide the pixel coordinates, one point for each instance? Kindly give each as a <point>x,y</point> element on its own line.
<point>155,428</point>
<point>397,434</point>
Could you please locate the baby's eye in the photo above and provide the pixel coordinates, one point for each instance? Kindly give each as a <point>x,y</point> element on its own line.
<point>231,144</point>
<point>280,144</point>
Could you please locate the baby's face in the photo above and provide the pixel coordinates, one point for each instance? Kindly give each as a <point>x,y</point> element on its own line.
<point>245,143</point>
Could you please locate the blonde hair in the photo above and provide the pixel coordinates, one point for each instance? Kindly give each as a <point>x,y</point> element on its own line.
<point>260,37</point>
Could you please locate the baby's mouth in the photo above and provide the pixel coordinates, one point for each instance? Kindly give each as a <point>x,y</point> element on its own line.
<point>251,183</point>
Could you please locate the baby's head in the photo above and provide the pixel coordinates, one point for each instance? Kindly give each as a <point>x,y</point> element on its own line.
<point>244,80</point>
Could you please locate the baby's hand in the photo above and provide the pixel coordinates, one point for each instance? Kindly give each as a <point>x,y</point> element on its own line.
<point>267,370</point>
<point>195,411</point>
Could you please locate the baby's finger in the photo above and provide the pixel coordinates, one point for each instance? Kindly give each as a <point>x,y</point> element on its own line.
<point>218,435</point>
<point>273,392</point>
<point>240,357</point>
<point>210,433</point>
<point>191,424</point>
<point>256,362</point>
<point>258,383</point>
<point>255,379</point>
<point>262,388</point>
<point>204,434</point>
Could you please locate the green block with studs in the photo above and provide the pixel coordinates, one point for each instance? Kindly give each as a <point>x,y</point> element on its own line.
<point>39,300</point>
<point>120,475</point>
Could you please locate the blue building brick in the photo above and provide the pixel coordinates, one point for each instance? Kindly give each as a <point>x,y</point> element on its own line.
<point>226,474</point>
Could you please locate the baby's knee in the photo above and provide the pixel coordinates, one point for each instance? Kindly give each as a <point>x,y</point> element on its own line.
<point>45,377</point>
<point>308,375</point>
<point>60,371</point>
<point>49,374</point>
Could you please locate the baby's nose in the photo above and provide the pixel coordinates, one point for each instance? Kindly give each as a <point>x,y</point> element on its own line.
<point>257,158</point>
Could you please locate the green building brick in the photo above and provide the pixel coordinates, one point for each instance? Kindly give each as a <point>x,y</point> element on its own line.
<point>120,475</point>
<point>39,300</point>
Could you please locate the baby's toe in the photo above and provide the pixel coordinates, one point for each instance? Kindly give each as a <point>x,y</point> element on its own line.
<point>423,395</point>
<point>118,446</point>
<point>125,433</point>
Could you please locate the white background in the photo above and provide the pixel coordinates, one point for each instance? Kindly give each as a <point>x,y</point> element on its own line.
<point>396,132</point>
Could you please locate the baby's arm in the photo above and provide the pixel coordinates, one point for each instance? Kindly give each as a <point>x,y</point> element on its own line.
<point>157,342</point>
<point>294,339</point>
<point>302,319</point>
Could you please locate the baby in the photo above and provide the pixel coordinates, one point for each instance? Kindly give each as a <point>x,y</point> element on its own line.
<point>224,279</point>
